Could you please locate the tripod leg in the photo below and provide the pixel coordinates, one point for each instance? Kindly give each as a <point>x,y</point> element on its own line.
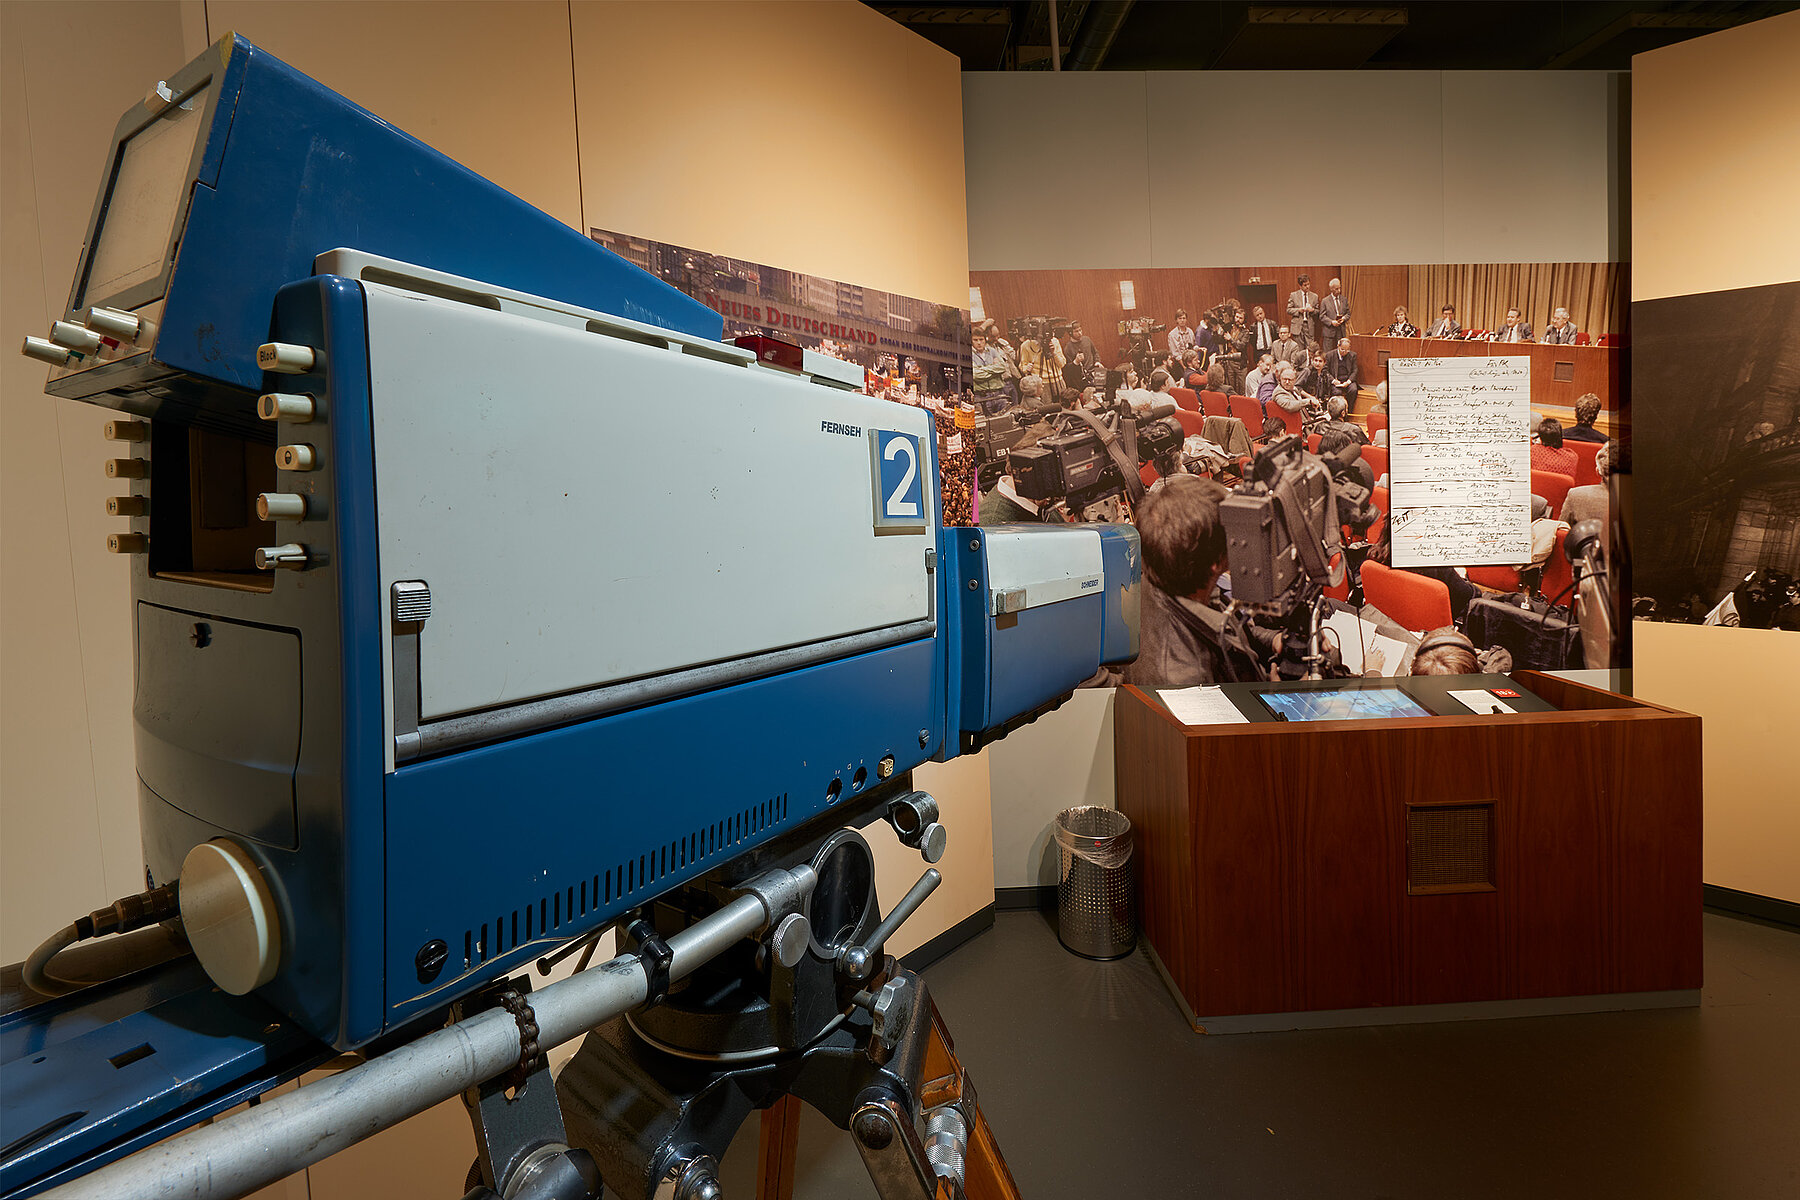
<point>778,1146</point>
<point>985,1175</point>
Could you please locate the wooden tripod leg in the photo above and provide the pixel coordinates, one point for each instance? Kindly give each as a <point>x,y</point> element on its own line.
<point>777,1148</point>
<point>985,1175</point>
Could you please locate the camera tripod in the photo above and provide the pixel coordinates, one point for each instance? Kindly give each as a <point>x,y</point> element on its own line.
<point>814,1012</point>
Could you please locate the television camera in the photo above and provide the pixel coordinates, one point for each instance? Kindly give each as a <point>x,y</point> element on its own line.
<point>419,705</point>
<point>1037,329</point>
<point>1137,332</point>
<point>1079,465</point>
<point>1284,540</point>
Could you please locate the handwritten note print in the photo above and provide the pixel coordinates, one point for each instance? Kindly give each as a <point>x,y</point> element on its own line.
<point>1459,458</point>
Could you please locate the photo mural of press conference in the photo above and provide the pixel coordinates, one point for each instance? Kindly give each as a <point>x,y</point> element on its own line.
<point>1334,470</point>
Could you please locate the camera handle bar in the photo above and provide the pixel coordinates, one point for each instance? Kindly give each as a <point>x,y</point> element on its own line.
<point>263,1144</point>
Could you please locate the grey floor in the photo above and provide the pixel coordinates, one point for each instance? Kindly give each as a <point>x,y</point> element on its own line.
<point>1096,1087</point>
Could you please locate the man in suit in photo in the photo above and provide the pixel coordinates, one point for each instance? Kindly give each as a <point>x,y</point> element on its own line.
<point>1561,331</point>
<point>1340,373</point>
<point>1334,313</point>
<point>1303,312</point>
<point>1515,329</point>
<point>1445,326</point>
<point>1289,349</point>
<point>1262,333</point>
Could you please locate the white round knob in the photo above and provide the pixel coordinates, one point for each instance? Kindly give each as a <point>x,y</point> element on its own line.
<point>281,506</point>
<point>285,358</point>
<point>46,351</point>
<point>298,457</point>
<point>229,916</point>
<point>115,324</point>
<point>78,338</point>
<point>285,406</point>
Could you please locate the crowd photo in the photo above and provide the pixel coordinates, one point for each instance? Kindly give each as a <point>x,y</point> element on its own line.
<point>1247,440</point>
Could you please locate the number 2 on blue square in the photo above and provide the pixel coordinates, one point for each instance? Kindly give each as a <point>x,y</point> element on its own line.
<point>899,477</point>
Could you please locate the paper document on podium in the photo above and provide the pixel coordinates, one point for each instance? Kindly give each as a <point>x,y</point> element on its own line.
<point>1460,461</point>
<point>1481,701</point>
<point>1202,706</point>
<point>1357,639</point>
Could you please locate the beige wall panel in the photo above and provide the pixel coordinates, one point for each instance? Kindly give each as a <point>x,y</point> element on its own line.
<point>68,803</point>
<point>1741,682</point>
<point>1217,198</point>
<point>1027,209</point>
<point>961,789</point>
<point>819,137</point>
<point>1056,762</point>
<point>486,83</point>
<point>1525,160</point>
<point>1715,123</point>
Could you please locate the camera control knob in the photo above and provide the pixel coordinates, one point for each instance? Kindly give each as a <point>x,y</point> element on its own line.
<point>285,406</point>
<point>298,457</point>
<point>46,351</point>
<point>115,324</point>
<point>78,338</point>
<point>292,556</point>
<point>281,506</point>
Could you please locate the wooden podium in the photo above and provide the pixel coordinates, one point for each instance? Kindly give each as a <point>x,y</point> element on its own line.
<point>1352,872</point>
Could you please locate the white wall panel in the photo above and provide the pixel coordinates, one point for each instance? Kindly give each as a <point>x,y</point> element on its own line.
<point>1056,762</point>
<point>1442,167</point>
<point>1268,185</point>
<point>1058,169</point>
<point>1525,167</point>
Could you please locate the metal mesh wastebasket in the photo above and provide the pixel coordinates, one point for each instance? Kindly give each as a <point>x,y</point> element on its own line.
<point>1095,903</point>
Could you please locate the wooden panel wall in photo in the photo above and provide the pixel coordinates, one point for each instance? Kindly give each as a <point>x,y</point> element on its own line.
<point>1274,868</point>
<point>1092,296</point>
<point>1374,293</point>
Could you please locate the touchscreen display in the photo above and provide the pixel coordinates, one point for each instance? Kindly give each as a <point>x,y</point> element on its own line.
<point>1346,704</point>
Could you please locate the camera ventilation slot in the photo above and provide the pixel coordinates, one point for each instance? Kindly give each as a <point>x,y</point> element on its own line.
<point>550,913</point>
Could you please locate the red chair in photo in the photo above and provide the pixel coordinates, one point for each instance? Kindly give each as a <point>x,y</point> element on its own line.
<point>1379,498</point>
<point>1501,579</point>
<point>1553,487</point>
<point>1289,419</point>
<point>1377,422</point>
<point>1247,410</point>
<point>1191,422</point>
<point>1213,404</point>
<point>1186,398</point>
<point>1582,339</point>
<point>1607,339</point>
<point>1312,443</point>
<point>1377,458</point>
<point>1414,602</point>
<point>1585,471</point>
<point>1559,577</point>
<point>1148,474</point>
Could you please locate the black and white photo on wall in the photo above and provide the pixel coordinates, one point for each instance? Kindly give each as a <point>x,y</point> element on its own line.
<point>1716,392</point>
